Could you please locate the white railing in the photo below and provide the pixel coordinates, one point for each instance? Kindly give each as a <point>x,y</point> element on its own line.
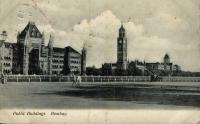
<point>54,78</point>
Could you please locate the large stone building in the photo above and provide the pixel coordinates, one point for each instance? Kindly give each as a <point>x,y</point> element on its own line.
<point>166,66</point>
<point>30,55</point>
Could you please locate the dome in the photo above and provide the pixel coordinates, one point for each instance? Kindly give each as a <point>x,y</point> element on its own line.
<point>122,28</point>
<point>166,56</point>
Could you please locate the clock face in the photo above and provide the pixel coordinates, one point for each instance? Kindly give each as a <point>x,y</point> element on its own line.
<point>120,41</point>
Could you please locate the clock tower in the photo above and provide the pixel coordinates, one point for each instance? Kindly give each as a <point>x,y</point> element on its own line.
<point>122,49</point>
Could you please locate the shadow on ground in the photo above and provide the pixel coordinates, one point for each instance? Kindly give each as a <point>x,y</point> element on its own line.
<point>141,96</point>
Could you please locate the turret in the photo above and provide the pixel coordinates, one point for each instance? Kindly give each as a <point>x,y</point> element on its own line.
<point>43,39</point>
<point>50,47</point>
<point>166,59</point>
<point>51,40</point>
<point>4,35</point>
<point>83,60</point>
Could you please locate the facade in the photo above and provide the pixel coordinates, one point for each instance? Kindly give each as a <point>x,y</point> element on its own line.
<point>6,56</point>
<point>30,55</point>
<point>57,61</point>
<point>30,42</point>
<point>155,66</point>
<point>72,61</point>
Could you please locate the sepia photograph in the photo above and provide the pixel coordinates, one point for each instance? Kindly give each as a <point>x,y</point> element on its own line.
<point>100,61</point>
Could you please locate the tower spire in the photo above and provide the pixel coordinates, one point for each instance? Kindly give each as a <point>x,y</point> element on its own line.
<point>43,39</point>
<point>51,40</point>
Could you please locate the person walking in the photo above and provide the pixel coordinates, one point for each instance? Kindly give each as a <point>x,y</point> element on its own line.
<point>74,80</point>
<point>79,80</point>
<point>2,79</point>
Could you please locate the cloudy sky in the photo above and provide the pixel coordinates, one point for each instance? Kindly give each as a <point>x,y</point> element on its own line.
<point>154,27</point>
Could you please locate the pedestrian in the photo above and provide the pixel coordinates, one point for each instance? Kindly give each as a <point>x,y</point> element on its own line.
<point>79,80</point>
<point>74,80</point>
<point>2,79</point>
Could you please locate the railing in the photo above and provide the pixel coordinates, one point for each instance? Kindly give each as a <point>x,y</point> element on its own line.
<point>180,79</point>
<point>47,78</point>
<point>52,78</point>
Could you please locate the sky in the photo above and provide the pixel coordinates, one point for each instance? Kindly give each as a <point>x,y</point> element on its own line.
<point>153,27</point>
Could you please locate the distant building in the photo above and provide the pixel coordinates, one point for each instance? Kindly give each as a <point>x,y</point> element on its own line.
<point>72,61</point>
<point>122,63</point>
<point>166,67</point>
<point>109,68</point>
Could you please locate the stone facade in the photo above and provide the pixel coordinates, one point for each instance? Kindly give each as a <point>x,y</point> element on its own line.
<point>30,56</point>
<point>72,61</point>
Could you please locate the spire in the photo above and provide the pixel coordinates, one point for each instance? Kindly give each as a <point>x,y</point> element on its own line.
<point>122,31</point>
<point>43,39</point>
<point>166,56</point>
<point>122,27</point>
<point>51,39</point>
<point>27,38</point>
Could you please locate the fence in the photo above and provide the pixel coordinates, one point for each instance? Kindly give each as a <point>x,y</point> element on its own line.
<point>47,78</point>
<point>52,78</point>
<point>180,79</point>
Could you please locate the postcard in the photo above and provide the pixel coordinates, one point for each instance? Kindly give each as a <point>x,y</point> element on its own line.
<point>100,61</point>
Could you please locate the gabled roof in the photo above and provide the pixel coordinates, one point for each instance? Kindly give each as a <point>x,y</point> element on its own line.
<point>57,49</point>
<point>30,27</point>
<point>122,28</point>
<point>69,48</point>
<point>166,56</point>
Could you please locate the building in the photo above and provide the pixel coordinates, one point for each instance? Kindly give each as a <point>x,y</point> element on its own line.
<point>6,57</point>
<point>30,55</point>
<point>122,49</point>
<point>109,69</point>
<point>166,67</point>
<point>120,67</point>
<point>72,61</point>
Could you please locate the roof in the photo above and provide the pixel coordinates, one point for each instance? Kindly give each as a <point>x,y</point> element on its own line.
<point>69,48</point>
<point>153,63</point>
<point>58,49</point>
<point>6,43</point>
<point>122,28</point>
<point>30,28</point>
<point>166,56</point>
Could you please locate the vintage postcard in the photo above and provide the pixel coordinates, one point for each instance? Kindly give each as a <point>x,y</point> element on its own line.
<point>100,61</point>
